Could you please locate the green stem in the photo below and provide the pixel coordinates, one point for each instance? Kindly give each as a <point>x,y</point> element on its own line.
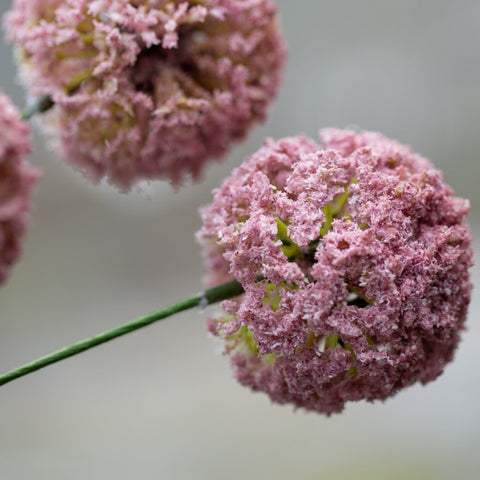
<point>212,295</point>
<point>40,105</point>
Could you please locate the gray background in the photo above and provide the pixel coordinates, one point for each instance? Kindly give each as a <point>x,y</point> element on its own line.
<point>161,403</point>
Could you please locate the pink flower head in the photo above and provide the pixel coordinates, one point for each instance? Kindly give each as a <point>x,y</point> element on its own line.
<point>148,88</point>
<point>354,259</point>
<point>16,182</point>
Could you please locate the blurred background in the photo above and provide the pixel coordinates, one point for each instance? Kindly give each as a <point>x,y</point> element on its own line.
<point>161,403</point>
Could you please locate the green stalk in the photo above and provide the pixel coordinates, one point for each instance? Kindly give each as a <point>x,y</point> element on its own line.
<point>40,105</point>
<point>208,297</point>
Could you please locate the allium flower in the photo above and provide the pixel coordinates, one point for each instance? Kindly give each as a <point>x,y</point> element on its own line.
<point>354,259</point>
<point>16,181</point>
<point>148,88</point>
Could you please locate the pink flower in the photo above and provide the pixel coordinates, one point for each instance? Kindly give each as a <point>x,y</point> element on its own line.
<point>16,182</point>
<point>354,259</point>
<point>148,88</point>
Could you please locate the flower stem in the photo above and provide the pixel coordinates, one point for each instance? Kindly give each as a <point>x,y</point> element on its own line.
<point>40,105</point>
<point>208,297</point>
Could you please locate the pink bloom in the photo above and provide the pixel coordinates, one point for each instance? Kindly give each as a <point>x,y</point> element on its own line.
<point>354,258</point>
<point>16,182</point>
<point>148,88</point>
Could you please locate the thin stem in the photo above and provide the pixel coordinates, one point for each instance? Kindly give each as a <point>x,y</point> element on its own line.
<point>40,105</point>
<point>210,296</point>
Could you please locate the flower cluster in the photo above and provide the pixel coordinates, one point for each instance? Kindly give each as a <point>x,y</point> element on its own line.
<point>354,259</point>
<point>148,88</point>
<point>16,182</point>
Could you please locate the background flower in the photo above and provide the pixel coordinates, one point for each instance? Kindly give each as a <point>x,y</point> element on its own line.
<point>16,181</point>
<point>354,258</point>
<point>148,89</point>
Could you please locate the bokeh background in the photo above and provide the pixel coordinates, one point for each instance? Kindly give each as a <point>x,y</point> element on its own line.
<point>161,403</point>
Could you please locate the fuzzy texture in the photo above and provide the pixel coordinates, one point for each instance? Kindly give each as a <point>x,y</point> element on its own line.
<point>16,181</point>
<point>148,88</point>
<point>354,258</point>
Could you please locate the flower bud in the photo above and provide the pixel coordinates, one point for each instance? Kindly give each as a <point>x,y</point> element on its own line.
<point>354,259</point>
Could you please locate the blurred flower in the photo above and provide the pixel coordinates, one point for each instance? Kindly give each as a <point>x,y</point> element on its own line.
<point>354,258</point>
<point>148,88</point>
<point>16,182</point>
